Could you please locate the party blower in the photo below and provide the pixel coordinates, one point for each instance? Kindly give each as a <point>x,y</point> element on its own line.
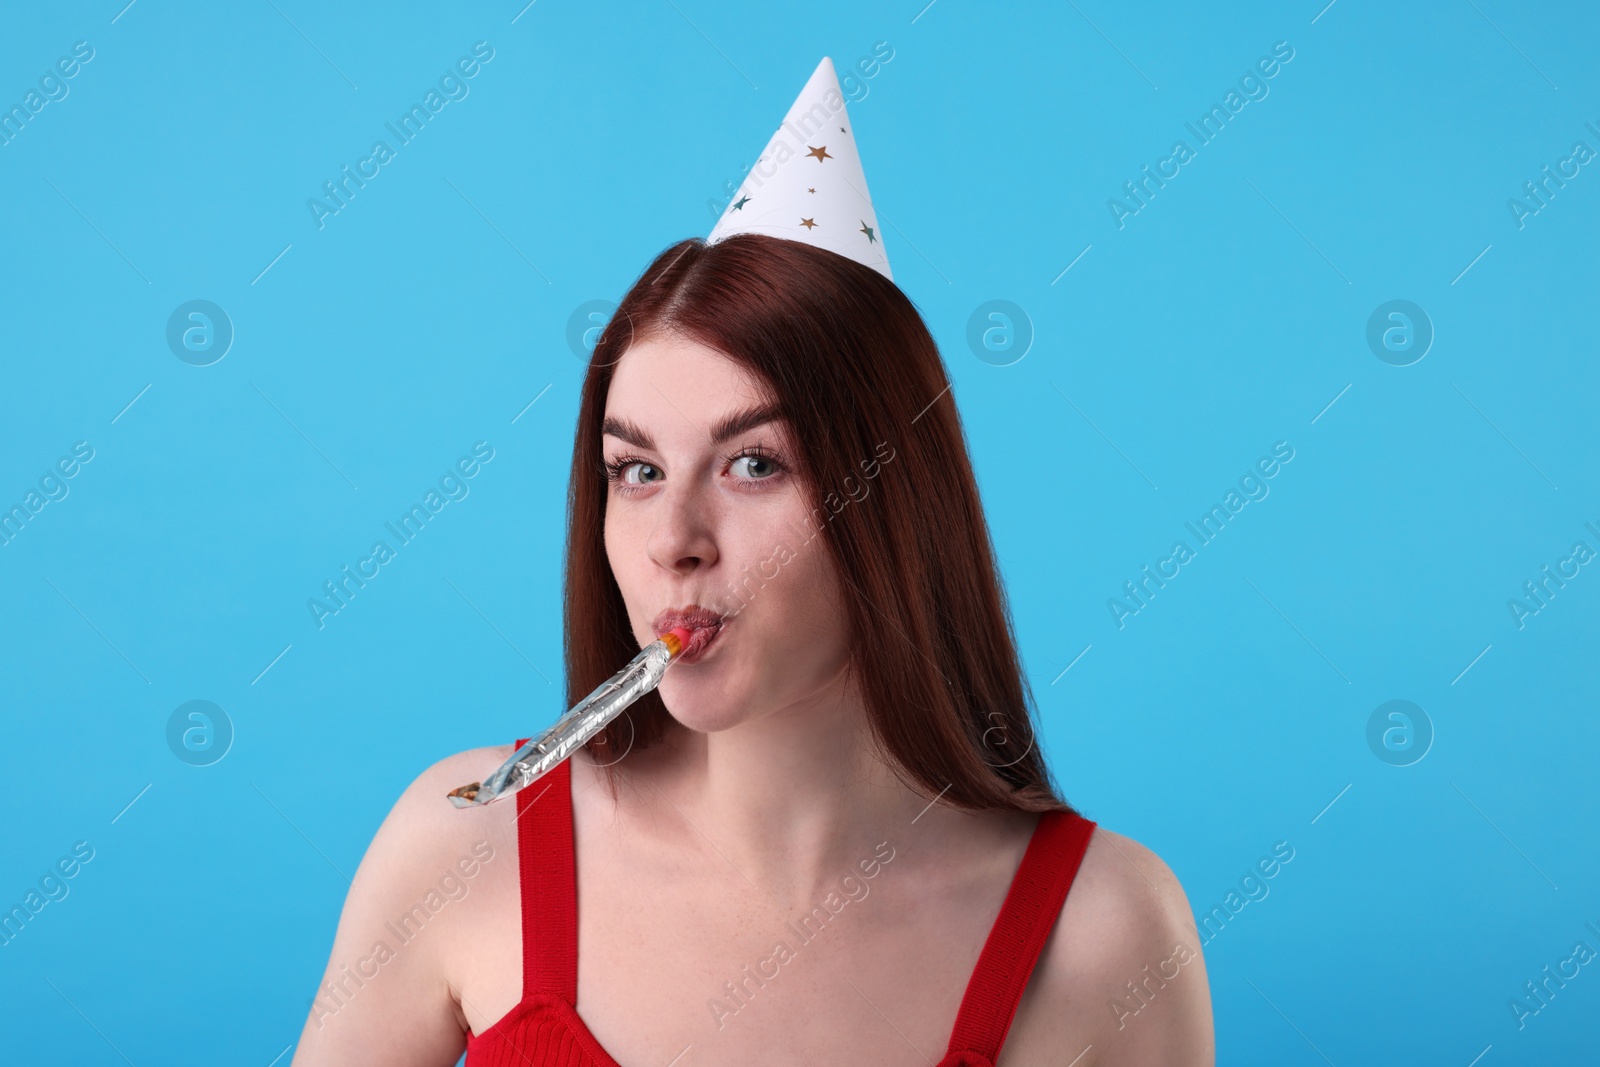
<point>585,719</point>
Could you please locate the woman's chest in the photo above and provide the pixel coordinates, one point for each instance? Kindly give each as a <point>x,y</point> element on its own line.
<point>737,976</point>
<point>711,970</point>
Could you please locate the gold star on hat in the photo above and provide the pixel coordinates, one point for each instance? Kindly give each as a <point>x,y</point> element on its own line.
<point>824,196</point>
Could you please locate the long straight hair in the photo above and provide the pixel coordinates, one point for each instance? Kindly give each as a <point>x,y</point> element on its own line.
<point>893,500</point>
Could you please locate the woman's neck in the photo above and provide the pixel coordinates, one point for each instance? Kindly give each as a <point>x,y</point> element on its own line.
<point>792,800</point>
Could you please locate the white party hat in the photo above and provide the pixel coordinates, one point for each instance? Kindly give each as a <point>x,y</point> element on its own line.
<point>808,185</point>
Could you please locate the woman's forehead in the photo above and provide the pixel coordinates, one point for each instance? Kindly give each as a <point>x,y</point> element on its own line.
<point>668,386</point>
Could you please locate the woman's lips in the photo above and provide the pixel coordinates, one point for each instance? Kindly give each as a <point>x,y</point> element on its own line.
<point>700,639</point>
<point>702,624</point>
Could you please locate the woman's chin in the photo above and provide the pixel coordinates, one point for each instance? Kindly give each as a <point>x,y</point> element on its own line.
<point>706,718</point>
<point>704,710</point>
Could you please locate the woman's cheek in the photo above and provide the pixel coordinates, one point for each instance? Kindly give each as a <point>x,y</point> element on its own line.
<point>624,551</point>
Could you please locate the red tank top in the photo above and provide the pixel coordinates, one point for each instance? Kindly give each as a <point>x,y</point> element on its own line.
<point>544,1029</point>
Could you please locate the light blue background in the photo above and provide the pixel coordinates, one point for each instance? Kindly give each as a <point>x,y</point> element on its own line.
<point>1224,317</point>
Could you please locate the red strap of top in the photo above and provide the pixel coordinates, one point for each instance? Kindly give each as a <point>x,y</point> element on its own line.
<point>1019,934</point>
<point>550,911</point>
<point>549,886</point>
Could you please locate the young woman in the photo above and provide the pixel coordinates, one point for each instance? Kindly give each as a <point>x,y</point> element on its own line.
<point>829,836</point>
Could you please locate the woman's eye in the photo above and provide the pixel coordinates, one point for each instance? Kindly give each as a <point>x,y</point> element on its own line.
<point>755,467</point>
<point>640,473</point>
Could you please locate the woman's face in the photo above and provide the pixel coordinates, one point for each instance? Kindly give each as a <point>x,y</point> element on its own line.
<point>705,508</point>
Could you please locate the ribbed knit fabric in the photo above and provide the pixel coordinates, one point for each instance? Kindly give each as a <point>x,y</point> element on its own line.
<point>544,1029</point>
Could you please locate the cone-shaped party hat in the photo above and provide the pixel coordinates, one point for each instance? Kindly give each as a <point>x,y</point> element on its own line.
<point>808,185</point>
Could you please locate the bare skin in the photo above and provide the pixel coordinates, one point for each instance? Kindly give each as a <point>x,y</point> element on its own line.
<point>765,798</point>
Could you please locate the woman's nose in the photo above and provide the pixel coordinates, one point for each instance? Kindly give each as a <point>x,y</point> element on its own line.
<point>682,539</point>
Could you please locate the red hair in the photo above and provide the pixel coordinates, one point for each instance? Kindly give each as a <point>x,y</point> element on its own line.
<point>857,377</point>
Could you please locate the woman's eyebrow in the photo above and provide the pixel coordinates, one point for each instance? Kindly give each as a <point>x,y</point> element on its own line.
<point>626,431</point>
<point>748,419</point>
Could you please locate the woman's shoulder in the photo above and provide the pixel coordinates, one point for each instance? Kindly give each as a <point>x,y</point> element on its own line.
<point>1123,971</point>
<point>424,836</point>
<point>424,804</point>
<point>472,764</point>
<point>414,911</point>
<point>427,850</point>
<point>423,824</point>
